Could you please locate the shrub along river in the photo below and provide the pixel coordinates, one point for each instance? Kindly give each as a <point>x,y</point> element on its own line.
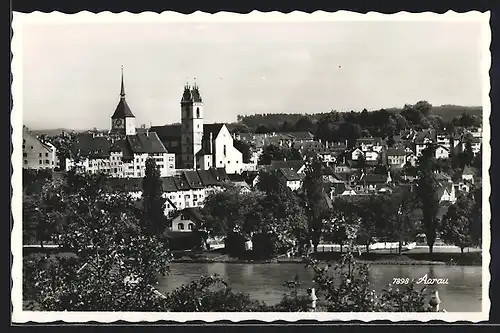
<point>264,282</point>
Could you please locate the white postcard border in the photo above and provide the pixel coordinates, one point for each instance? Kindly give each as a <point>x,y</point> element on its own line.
<point>20,19</point>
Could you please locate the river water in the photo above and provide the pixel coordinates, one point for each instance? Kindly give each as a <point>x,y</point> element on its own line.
<point>265,281</point>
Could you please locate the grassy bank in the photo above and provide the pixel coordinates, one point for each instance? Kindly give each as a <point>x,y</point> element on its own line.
<point>374,258</point>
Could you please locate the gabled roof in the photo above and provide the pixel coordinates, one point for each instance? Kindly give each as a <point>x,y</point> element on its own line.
<point>193,179</point>
<point>300,135</point>
<point>289,174</point>
<point>125,184</point>
<point>396,152</point>
<point>212,128</point>
<point>122,110</point>
<point>145,143</point>
<point>222,174</point>
<point>193,213</point>
<point>167,132</point>
<point>92,147</point>
<point>181,183</point>
<point>294,165</point>
<point>369,140</point>
<point>207,178</point>
<point>425,134</point>
<point>168,184</point>
<point>373,178</point>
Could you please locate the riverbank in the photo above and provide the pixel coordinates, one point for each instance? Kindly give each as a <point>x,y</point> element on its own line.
<point>412,257</point>
<point>409,258</point>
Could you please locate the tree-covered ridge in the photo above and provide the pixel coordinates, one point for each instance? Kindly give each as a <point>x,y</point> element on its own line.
<point>383,122</point>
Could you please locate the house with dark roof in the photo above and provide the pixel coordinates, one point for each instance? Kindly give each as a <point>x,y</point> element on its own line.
<point>371,182</point>
<point>185,220</point>
<point>290,178</point>
<point>37,154</point>
<point>370,144</point>
<point>396,157</point>
<point>186,190</point>
<point>299,166</point>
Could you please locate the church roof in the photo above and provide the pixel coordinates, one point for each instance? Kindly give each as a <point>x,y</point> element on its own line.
<point>122,109</point>
<point>191,94</point>
<point>212,128</point>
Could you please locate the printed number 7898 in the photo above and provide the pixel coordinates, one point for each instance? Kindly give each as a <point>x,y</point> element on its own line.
<point>400,280</point>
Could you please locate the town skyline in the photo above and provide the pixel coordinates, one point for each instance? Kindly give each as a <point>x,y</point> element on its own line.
<point>71,76</point>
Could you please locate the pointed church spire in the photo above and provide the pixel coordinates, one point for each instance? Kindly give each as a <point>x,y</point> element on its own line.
<point>122,91</point>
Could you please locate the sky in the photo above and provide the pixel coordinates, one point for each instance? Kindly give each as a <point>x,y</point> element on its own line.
<point>71,72</point>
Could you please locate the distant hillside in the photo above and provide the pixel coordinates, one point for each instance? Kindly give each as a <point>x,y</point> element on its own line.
<point>280,120</point>
<point>55,131</point>
<point>448,112</point>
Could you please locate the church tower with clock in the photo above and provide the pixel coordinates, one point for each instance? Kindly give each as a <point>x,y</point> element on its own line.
<point>123,120</point>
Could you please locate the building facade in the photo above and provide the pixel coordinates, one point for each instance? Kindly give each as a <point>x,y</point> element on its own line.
<point>37,154</point>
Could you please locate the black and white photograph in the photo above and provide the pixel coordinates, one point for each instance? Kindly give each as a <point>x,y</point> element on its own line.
<point>327,166</point>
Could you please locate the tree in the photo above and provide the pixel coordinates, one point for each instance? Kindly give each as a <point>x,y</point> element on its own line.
<point>153,220</point>
<point>457,224</point>
<point>424,107</point>
<point>66,146</point>
<point>467,156</point>
<point>305,124</point>
<point>116,265</point>
<point>283,217</point>
<point>316,205</point>
<point>245,148</point>
<point>274,152</point>
<point>402,228</point>
<point>426,191</point>
<point>477,162</point>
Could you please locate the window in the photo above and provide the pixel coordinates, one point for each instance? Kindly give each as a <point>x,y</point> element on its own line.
<point>46,154</point>
<point>138,167</point>
<point>25,155</point>
<point>31,147</point>
<point>224,150</point>
<point>180,226</point>
<point>39,154</point>
<point>190,226</point>
<point>24,146</point>
<point>198,126</point>
<point>47,162</point>
<point>39,161</point>
<point>25,162</point>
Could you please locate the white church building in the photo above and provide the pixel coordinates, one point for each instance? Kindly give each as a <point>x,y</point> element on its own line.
<point>198,145</point>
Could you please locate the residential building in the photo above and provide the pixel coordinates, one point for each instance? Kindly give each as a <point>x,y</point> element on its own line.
<point>37,154</point>
<point>298,166</point>
<point>290,178</point>
<point>441,152</point>
<point>446,193</point>
<point>396,157</point>
<point>188,189</point>
<point>185,220</point>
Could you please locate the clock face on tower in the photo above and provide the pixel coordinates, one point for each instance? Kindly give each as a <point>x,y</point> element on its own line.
<point>118,123</point>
